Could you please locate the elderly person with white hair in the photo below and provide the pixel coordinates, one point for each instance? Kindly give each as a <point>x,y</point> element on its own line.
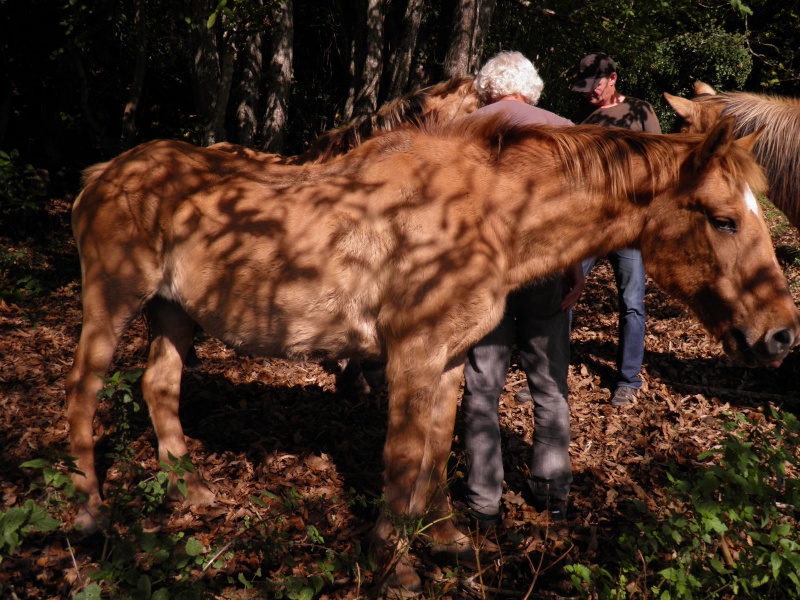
<point>537,319</point>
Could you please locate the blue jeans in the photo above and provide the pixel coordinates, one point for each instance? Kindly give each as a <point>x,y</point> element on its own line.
<point>534,318</point>
<point>629,274</point>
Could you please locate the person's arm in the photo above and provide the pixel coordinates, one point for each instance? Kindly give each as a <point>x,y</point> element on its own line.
<point>572,285</point>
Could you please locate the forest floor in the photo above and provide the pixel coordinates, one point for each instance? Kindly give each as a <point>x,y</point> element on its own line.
<point>296,465</point>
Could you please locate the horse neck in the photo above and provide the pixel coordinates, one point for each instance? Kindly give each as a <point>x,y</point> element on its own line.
<point>561,224</point>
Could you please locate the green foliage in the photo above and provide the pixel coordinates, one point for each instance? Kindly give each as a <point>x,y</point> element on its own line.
<point>658,46</point>
<point>56,482</point>
<point>18,282</point>
<point>292,577</point>
<point>18,521</point>
<point>148,563</point>
<point>715,56</point>
<point>730,529</point>
<point>741,8</point>
<point>144,563</point>
<point>119,387</point>
<point>14,182</point>
<point>20,196</point>
<point>712,55</point>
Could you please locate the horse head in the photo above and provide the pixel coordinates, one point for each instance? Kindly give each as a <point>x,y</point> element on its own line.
<point>698,114</point>
<point>715,251</point>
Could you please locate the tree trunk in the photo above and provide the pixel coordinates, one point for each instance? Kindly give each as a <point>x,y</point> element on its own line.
<point>366,102</point>
<point>403,56</point>
<point>471,20</point>
<point>368,61</point>
<point>102,138</point>
<point>215,132</point>
<point>206,71</point>
<point>457,60</point>
<point>482,24</point>
<point>356,64</point>
<point>129,116</point>
<point>279,78</point>
<point>252,73</point>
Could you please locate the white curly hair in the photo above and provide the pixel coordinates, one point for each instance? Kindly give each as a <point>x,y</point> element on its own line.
<point>506,74</point>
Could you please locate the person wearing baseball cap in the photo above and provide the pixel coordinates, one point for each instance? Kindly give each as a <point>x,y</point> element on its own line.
<point>591,70</point>
<point>596,78</point>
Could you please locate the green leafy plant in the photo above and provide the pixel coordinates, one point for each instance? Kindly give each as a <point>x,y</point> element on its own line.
<point>19,193</point>
<point>13,181</point>
<point>730,529</point>
<point>18,521</point>
<point>17,282</point>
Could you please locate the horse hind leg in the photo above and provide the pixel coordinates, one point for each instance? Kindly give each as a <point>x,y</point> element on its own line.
<point>172,332</point>
<point>105,318</point>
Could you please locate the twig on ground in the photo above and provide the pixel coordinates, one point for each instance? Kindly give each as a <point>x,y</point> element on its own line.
<point>74,562</point>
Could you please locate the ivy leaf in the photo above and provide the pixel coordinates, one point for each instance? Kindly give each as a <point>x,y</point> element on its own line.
<point>193,547</point>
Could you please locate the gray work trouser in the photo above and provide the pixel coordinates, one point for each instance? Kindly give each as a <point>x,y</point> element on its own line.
<point>533,319</point>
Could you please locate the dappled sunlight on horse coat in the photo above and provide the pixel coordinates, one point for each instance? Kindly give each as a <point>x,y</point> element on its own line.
<point>404,249</point>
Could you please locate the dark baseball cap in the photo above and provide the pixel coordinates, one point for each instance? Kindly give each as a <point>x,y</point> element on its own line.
<point>591,69</point>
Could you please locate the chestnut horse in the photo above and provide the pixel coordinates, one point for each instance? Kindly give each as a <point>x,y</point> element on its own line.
<point>404,249</point>
<point>777,149</point>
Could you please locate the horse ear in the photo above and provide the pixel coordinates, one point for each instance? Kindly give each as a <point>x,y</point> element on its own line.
<point>716,144</point>
<point>685,109</point>
<point>748,142</point>
<point>703,88</point>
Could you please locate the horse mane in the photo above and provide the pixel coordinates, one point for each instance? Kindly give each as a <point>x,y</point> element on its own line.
<point>778,118</point>
<point>604,158</point>
<point>412,109</point>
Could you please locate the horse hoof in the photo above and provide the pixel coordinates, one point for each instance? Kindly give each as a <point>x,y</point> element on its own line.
<point>457,552</point>
<point>201,496</point>
<point>462,549</point>
<point>197,495</point>
<point>88,522</point>
<point>403,582</point>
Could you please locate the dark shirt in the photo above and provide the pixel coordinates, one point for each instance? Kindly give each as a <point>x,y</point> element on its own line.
<point>631,113</point>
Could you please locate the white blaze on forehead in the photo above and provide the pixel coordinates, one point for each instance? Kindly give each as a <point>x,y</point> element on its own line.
<point>750,199</point>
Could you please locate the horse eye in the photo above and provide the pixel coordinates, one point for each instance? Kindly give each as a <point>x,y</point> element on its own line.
<point>723,224</point>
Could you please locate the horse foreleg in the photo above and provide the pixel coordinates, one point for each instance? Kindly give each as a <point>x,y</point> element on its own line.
<point>441,529</point>
<point>172,331</point>
<point>422,410</point>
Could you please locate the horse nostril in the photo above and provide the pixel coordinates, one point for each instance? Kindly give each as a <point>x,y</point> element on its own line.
<point>779,341</point>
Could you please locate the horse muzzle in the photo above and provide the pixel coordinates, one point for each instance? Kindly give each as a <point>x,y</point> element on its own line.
<point>770,350</point>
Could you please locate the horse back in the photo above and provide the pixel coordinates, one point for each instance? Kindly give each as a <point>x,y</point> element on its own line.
<point>276,260</point>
